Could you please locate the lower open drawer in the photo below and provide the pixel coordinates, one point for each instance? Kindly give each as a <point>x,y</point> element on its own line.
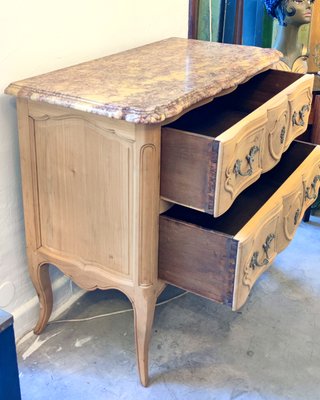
<point>221,258</point>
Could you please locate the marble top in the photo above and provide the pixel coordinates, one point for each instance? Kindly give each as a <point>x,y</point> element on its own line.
<point>151,83</point>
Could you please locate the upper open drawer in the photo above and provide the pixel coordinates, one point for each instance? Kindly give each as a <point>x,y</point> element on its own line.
<point>211,154</point>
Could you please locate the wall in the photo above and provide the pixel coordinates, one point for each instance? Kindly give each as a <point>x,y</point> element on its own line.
<point>38,36</point>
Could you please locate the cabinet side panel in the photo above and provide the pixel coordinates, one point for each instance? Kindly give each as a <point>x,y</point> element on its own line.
<point>83,176</point>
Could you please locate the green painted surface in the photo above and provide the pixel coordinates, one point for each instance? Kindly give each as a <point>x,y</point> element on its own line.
<point>204,20</point>
<point>267,30</point>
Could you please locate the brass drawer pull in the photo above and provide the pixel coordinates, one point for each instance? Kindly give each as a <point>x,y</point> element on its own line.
<point>312,188</point>
<point>302,112</point>
<point>250,160</point>
<point>296,216</point>
<point>266,246</point>
<point>282,134</point>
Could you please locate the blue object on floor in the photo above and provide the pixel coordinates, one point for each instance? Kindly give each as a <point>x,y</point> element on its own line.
<point>9,375</point>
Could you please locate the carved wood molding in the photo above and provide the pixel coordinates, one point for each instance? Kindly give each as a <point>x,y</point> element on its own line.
<point>92,275</point>
<point>148,157</point>
<point>253,133</point>
<point>106,131</point>
<point>278,131</point>
<point>294,214</point>
<point>250,274</point>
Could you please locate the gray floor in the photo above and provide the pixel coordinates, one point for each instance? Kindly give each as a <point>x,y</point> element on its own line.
<point>199,350</point>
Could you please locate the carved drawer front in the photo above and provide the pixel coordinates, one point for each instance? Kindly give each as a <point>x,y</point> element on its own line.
<point>299,195</point>
<point>213,153</point>
<point>221,258</point>
<point>256,250</point>
<point>276,132</point>
<point>299,99</point>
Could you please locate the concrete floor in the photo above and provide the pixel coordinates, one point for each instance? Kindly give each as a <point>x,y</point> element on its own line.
<point>199,349</point>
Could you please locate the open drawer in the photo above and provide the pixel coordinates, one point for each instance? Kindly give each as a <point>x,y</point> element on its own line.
<point>221,258</point>
<point>212,153</point>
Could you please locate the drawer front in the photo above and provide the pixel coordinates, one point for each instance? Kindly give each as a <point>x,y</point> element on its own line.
<point>240,159</point>
<point>301,194</point>
<point>299,100</point>
<point>250,148</point>
<point>257,250</point>
<point>273,227</point>
<point>276,132</point>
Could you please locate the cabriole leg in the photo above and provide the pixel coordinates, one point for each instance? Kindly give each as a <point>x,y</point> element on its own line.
<point>42,283</point>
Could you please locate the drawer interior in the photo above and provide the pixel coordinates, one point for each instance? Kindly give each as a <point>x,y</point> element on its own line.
<point>249,201</point>
<point>214,118</point>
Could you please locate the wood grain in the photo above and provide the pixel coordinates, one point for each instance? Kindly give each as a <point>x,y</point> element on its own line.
<point>185,167</point>
<point>196,259</point>
<point>221,258</point>
<point>91,184</point>
<point>38,268</point>
<point>91,204</point>
<point>279,216</point>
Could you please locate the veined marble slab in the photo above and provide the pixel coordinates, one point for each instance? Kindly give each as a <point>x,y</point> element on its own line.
<point>148,84</point>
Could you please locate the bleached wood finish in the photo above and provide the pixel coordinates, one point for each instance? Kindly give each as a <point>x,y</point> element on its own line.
<point>277,221</point>
<point>299,99</point>
<point>214,153</point>
<point>235,145</point>
<point>270,129</point>
<point>91,199</point>
<point>38,268</point>
<point>222,258</point>
<point>90,160</point>
<point>276,130</point>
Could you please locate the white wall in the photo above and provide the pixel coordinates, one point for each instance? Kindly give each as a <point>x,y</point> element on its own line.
<point>37,36</point>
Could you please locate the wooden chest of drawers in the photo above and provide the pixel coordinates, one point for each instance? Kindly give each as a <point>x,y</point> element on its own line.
<point>97,138</point>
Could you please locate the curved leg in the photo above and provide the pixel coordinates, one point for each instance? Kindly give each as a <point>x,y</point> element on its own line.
<point>143,306</point>
<point>42,283</point>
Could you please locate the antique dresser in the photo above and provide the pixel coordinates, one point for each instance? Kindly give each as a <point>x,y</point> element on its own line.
<point>171,163</point>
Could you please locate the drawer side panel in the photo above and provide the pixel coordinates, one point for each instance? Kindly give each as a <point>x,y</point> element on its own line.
<point>198,260</point>
<point>184,174</point>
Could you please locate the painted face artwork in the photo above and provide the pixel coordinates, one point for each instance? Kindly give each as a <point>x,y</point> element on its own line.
<point>295,12</point>
<point>298,12</point>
